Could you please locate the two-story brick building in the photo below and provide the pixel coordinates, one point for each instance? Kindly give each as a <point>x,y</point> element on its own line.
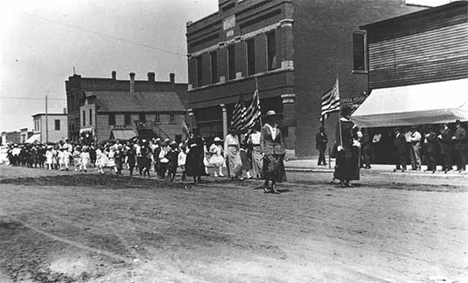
<point>295,50</point>
<point>107,108</point>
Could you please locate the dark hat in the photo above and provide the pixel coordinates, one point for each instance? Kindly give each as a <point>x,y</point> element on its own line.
<point>457,122</point>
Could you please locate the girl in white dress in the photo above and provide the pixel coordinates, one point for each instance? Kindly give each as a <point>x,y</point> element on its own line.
<point>217,159</point>
<point>49,157</point>
<point>101,160</point>
<point>84,159</point>
<point>111,162</point>
<point>77,158</point>
<point>61,159</point>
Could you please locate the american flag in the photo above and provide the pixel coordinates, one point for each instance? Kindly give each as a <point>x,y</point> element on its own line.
<point>244,118</point>
<point>331,100</point>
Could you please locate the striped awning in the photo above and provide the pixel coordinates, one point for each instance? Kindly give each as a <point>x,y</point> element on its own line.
<point>432,103</point>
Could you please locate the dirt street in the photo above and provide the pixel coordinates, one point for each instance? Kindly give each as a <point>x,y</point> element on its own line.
<point>69,227</point>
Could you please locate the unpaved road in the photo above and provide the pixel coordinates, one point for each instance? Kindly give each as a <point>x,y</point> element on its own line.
<point>67,227</point>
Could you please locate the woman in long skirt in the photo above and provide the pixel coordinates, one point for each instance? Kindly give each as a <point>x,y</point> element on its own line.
<point>232,151</point>
<point>272,146</point>
<point>194,163</point>
<point>347,163</point>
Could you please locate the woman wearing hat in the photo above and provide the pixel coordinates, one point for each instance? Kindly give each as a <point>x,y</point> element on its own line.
<point>194,162</point>
<point>272,147</point>
<point>217,159</point>
<point>231,149</point>
<point>347,164</point>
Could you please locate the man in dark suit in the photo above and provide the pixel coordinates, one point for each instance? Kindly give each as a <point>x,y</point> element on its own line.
<point>460,146</point>
<point>366,147</point>
<point>445,139</point>
<point>432,146</point>
<point>400,145</point>
<point>321,140</point>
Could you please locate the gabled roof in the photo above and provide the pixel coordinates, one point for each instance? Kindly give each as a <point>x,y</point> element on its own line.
<point>124,101</point>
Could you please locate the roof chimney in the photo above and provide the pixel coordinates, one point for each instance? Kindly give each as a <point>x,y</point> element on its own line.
<point>114,75</point>
<point>132,82</point>
<point>172,77</point>
<point>151,76</point>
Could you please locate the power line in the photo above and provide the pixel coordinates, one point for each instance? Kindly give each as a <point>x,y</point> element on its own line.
<point>106,35</point>
<point>29,98</point>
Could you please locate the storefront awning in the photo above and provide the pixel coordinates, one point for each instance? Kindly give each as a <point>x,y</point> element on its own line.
<point>122,134</point>
<point>91,129</point>
<point>34,138</point>
<point>432,103</point>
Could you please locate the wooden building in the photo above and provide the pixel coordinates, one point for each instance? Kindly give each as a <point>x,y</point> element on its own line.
<point>105,108</point>
<point>52,127</point>
<point>294,50</point>
<point>417,66</point>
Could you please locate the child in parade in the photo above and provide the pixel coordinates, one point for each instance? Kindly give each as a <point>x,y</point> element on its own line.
<point>246,160</point>
<point>101,160</point>
<point>49,157</point>
<point>130,158</point>
<point>181,159</point>
<point>217,159</point>
<point>163,159</point>
<point>172,157</point>
<point>66,158</point>
<point>84,159</point>
<point>77,158</point>
<point>61,159</point>
<point>111,161</point>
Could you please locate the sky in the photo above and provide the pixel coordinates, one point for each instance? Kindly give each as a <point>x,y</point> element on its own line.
<point>42,41</point>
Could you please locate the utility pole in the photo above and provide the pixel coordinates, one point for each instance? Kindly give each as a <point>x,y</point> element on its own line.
<point>46,121</point>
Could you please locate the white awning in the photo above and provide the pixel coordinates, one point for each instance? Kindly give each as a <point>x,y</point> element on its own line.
<point>91,129</point>
<point>123,134</point>
<point>34,138</point>
<point>432,103</point>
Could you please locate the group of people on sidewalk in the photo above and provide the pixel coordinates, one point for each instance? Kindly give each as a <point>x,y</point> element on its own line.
<point>352,148</point>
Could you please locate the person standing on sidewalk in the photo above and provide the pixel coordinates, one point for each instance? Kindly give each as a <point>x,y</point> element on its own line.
<point>321,140</point>
<point>257,157</point>
<point>366,146</point>
<point>432,146</point>
<point>401,149</point>
<point>460,146</point>
<point>445,139</point>
<point>415,149</point>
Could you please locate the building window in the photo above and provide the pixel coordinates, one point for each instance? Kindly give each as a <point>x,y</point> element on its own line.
<point>199,71</point>
<point>214,67</point>
<point>157,119</point>
<point>127,119</point>
<point>271,50</point>
<point>250,56</point>
<point>90,117</point>
<point>111,119</point>
<point>359,51</point>
<point>57,125</point>
<point>142,118</point>
<point>84,118</point>
<point>231,62</point>
<point>172,118</point>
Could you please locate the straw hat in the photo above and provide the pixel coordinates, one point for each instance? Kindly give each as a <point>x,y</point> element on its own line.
<point>271,113</point>
<point>217,139</point>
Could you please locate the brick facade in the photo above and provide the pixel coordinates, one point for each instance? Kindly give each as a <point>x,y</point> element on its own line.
<point>312,44</point>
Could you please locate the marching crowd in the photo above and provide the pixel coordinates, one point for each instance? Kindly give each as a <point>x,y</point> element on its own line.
<point>260,155</point>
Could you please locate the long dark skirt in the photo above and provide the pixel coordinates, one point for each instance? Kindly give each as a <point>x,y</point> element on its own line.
<point>273,168</point>
<point>347,166</point>
<point>194,165</point>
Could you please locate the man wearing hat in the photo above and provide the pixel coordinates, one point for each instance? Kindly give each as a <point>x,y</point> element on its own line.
<point>400,145</point>
<point>460,146</point>
<point>432,145</point>
<point>415,149</point>
<point>445,139</point>
<point>347,159</point>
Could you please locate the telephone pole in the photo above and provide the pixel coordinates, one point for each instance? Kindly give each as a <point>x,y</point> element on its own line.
<point>46,122</point>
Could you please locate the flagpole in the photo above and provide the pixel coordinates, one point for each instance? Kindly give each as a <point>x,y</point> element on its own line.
<point>258,97</point>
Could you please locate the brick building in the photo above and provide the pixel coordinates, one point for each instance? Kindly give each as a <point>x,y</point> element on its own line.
<point>294,49</point>
<point>55,130</point>
<point>105,108</point>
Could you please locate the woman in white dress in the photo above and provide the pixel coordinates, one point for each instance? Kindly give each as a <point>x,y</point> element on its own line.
<point>84,159</point>
<point>217,158</point>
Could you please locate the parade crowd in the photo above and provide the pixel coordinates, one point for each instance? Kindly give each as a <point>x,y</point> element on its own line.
<point>259,155</point>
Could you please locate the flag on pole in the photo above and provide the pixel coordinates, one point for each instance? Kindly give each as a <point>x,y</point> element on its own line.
<point>245,118</point>
<point>331,101</point>
<point>185,128</point>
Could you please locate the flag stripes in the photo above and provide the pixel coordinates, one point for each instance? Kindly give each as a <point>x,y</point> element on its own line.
<point>245,118</point>
<point>331,100</point>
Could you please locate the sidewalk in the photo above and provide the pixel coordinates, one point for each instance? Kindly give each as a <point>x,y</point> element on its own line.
<point>310,165</point>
